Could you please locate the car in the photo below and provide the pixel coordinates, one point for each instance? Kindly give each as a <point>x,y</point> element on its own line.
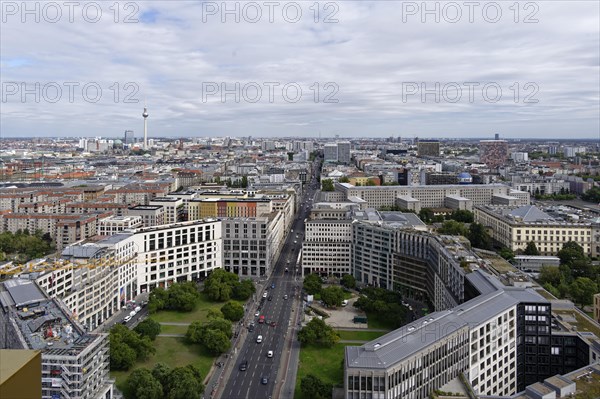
<point>285,296</point>
<point>257,314</point>
<point>273,324</point>
<point>286,270</point>
<point>270,298</point>
<point>261,319</point>
<point>272,285</point>
<point>270,354</point>
<point>265,294</point>
<point>259,339</point>
<point>251,327</point>
<point>344,302</point>
<point>244,365</point>
<point>264,380</point>
<point>127,318</point>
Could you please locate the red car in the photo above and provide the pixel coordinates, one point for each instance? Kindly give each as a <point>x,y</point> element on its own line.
<point>261,319</point>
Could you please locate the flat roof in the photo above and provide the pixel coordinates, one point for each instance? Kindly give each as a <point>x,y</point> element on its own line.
<point>408,340</point>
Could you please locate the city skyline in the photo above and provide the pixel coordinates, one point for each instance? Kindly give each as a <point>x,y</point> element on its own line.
<point>379,69</point>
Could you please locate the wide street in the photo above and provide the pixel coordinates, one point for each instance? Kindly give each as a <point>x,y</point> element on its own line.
<point>279,321</point>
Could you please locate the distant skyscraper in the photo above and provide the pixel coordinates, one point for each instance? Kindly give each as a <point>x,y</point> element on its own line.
<point>145,115</point>
<point>129,137</point>
<point>493,152</point>
<point>497,136</point>
<point>330,152</point>
<point>343,152</point>
<point>429,148</point>
<point>553,147</point>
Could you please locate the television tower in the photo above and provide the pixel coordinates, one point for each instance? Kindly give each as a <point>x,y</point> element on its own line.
<point>145,115</point>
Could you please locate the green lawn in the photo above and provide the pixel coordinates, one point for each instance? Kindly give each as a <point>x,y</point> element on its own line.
<point>360,335</point>
<point>173,329</point>
<point>187,317</point>
<point>172,351</point>
<point>325,363</point>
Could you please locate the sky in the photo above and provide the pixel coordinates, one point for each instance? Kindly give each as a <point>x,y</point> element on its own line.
<point>301,68</point>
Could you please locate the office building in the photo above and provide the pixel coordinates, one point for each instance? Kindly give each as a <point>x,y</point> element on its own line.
<point>326,249</point>
<point>515,227</point>
<point>597,307</point>
<point>75,363</point>
<point>429,196</point>
<point>493,153</point>
<point>252,245</point>
<point>177,252</point>
<point>343,152</point>
<point>330,152</point>
<point>173,208</point>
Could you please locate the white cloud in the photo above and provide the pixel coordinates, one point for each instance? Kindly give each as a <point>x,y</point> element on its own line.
<point>371,56</point>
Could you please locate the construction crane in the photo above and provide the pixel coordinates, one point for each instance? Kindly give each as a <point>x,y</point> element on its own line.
<point>10,269</point>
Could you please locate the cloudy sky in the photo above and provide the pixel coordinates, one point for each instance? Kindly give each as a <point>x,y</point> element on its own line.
<point>353,68</point>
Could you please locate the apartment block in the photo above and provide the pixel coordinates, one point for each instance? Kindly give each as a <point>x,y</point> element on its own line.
<point>63,228</point>
<point>343,152</point>
<point>516,227</point>
<point>152,215</point>
<point>75,363</point>
<point>116,224</point>
<point>229,208</point>
<point>173,208</point>
<point>330,152</point>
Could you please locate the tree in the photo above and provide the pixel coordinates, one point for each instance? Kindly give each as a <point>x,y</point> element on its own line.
<point>332,296</point>
<point>348,281</point>
<point>162,373</point>
<point>344,179</point>
<point>233,311</point>
<point>531,249</point>
<point>158,300</point>
<point>185,383</point>
<point>551,275</point>
<point>214,335</point>
<point>582,268</point>
<point>370,182</point>
<point>122,357</point>
<point>453,228</point>
<point>316,332</point>
<point>569,252</point>
<point>141,384</point>
<point>582,290</point>
<point>244,290</point>
<point>479,236</point>
<point>220,284</point>
<point>142,346</point>
<point>312,284</point>
<point>552,289</point>
<point>507,253</point>
<point>327,185</point>
<point>313,387</point>
<point>216,341</point>
<point>426,215</point>
<point>149,328</point>
<point>180,296</point>
<point>462,216</point>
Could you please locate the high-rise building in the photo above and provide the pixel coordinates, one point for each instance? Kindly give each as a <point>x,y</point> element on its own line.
<point>75,363</point>
<point>129,137</point>
<point>343,152</point>
<point>493,152</point>
<point>429,148</point>
<point>330,152</point>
